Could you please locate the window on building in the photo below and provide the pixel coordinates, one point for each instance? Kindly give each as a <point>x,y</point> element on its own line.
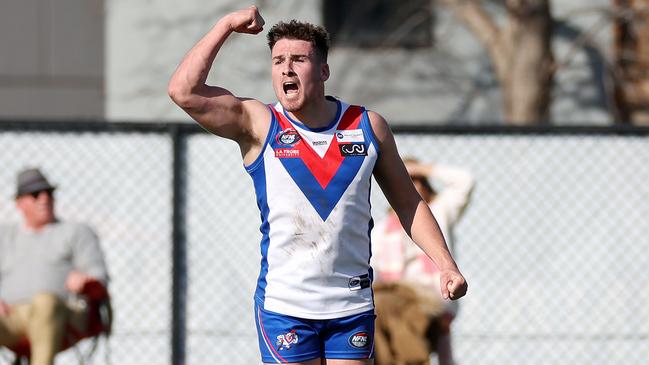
<point>380,23</point>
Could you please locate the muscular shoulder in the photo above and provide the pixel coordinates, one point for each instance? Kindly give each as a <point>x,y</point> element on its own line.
<point>257,116</point>
<point>254,109</point>
<point>379,126</point>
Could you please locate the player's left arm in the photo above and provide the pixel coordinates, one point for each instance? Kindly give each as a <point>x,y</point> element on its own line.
<point>414,214</point>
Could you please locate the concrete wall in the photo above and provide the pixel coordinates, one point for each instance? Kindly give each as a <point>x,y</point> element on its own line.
<point>56,63</point>
<point>52,59</point>
<point>450,83</point>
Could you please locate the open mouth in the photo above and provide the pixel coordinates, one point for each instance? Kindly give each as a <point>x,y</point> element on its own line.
<point>290,88</point>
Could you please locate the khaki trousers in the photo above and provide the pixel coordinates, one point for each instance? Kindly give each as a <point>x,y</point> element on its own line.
<point>406,324</point>
<point>44,322</point>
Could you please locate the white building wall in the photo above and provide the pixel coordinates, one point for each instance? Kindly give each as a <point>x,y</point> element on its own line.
<point>52,59</point>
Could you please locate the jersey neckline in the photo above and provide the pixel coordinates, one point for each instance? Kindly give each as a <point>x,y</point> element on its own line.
<point>320,129</point>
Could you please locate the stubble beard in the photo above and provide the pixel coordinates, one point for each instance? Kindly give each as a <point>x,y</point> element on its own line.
<point>292,105</point>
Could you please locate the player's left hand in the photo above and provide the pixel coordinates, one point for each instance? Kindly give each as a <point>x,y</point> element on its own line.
<point>453,285</point>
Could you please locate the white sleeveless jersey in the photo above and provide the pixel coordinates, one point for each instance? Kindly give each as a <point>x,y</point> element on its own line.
<point>313,192</point>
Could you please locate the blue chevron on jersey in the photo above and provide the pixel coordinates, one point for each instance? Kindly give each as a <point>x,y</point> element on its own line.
<point>322,199</point>
<point>323,180</point>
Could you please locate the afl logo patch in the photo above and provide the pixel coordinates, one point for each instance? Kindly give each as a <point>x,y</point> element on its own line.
<point>288,137</point>
<point>359,340</point>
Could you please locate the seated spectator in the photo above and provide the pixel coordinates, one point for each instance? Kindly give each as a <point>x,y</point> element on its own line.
<point>46,265</point>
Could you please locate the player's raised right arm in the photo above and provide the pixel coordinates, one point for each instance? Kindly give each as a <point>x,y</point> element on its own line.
<point>215,108</point>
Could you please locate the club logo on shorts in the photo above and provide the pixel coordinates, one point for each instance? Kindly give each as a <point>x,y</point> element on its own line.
<point>288,137</point>
<point>359,340</point>
<point>285,341</point>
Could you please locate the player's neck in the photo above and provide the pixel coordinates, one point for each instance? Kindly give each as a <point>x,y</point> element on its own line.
<point>316,115</point>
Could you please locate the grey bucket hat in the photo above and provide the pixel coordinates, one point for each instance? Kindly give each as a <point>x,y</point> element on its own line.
<point>32,180</point>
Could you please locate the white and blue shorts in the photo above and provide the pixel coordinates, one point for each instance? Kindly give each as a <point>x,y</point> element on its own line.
<point>286,339</point>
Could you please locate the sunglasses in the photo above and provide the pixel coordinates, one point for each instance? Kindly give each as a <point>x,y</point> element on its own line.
<point>36,194</point>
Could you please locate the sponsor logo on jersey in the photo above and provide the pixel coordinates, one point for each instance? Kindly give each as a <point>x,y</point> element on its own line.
<point>350,135</point>
<point>353,149</point>
<point>286,341</point>
<point>288,137</point>
<point>319,143</point>
<point>287,153</point>
<point>359,340</point>
<point>359,282</point>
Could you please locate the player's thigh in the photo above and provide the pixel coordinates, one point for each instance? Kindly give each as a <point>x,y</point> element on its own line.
<point>349,362</point>
<point>350,339</point>
<point>310,362</point>
<point>287,340</point>
<point>335,362</point>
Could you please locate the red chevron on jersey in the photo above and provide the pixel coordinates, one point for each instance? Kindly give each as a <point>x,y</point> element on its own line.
<point>323,168</point>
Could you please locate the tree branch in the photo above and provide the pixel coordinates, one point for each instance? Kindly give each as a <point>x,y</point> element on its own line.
<point>476,18</point>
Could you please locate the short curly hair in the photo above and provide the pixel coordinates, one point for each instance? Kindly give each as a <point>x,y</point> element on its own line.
<point>315,34</point>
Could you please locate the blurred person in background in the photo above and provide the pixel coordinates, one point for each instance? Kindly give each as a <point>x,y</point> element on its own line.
<point>44,265</point>
<point>396,260</point>
<point>311,158</point>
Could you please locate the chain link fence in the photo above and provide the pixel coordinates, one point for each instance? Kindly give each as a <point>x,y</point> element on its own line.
<point>120,184</point>
<point>554,242</point>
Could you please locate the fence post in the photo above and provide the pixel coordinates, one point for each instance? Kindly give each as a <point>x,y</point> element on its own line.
<point>179,254</point>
